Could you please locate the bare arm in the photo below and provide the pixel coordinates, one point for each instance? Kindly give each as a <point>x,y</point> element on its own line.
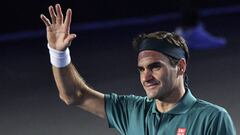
<point>72,88</point>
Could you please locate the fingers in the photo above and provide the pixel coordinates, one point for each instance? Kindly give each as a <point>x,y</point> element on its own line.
<point>52,14</point>
<point>68,19</point>
<point>45,20</point>
<point>59,18</point>
<point>69,38</point>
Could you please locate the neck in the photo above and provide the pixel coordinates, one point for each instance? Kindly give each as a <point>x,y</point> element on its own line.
<point>170,102</point>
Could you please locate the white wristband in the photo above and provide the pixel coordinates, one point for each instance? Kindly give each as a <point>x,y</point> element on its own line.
<point>59,59</point>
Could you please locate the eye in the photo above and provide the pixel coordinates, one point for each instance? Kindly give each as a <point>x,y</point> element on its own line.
<point>140,69</point>
<point>155,66</point>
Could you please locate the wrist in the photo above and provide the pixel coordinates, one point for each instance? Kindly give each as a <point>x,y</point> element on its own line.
<point>59,59</point>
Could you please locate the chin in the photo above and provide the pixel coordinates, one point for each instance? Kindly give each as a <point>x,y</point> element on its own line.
<point>151,95</point>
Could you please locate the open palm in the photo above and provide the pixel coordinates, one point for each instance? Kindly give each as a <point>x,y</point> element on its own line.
<point>58,29</point>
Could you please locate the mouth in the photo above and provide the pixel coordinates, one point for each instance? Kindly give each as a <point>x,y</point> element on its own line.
<point>151,85</point>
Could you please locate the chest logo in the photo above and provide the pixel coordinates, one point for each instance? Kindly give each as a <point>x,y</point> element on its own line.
<point>181,131</point>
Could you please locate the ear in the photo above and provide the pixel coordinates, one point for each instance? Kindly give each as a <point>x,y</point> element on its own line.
<point>182,65</point>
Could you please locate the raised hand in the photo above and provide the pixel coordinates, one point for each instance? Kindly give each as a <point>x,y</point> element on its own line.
<point>58,29</point>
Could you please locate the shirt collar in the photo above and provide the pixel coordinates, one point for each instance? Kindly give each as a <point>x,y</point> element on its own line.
<point>183,106</point>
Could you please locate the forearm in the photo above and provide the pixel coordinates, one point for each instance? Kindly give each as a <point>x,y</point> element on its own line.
<point>70,84</point>
<point>74,91</point>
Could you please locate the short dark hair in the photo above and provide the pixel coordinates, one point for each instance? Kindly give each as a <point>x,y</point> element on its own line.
<point>169,37</point>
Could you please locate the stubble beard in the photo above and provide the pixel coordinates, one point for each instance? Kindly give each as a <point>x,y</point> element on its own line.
<point>160,94</point>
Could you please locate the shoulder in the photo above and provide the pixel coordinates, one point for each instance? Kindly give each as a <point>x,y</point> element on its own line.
<point>207,106</point>
<point>114,96</point>
<point>125,99</point>
<point>209,110</point>
<point>215,117</point>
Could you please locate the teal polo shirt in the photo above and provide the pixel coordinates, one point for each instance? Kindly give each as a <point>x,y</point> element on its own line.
<point>136,115</point>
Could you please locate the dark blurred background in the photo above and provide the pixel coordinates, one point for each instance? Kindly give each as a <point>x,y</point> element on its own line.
<point>103,55</point>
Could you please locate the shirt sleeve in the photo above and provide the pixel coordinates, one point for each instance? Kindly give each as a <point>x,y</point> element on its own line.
<point>118,109</point>
<point>222,124</point>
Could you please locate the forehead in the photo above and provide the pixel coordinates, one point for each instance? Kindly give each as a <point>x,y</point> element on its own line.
<point>149,56</point>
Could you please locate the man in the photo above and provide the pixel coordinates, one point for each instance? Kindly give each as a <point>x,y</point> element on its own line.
<point>169,107</point>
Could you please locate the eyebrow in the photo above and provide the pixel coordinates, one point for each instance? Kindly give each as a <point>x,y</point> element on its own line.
<point>151,65</point>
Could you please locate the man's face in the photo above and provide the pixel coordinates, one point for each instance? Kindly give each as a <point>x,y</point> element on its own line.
<point>157,75</point>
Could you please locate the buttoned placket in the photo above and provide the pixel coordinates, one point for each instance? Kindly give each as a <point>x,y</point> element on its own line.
<point>157,122</point>
<point>154,119</point>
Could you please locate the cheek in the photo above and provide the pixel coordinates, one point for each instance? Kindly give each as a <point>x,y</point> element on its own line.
<point>164,77</point>
<point>140,77</point>
<point>170,77</point>
<point>160,75</point>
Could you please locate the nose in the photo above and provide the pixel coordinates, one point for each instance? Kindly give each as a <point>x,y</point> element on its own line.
<point>146,76</point>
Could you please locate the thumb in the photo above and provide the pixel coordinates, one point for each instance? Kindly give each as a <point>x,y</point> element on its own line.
<point>69,38</point>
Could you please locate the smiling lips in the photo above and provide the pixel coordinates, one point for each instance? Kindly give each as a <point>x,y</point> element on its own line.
<point>151,85</point>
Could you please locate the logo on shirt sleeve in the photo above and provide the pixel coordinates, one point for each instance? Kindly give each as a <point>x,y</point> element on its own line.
<point>181,131</point>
